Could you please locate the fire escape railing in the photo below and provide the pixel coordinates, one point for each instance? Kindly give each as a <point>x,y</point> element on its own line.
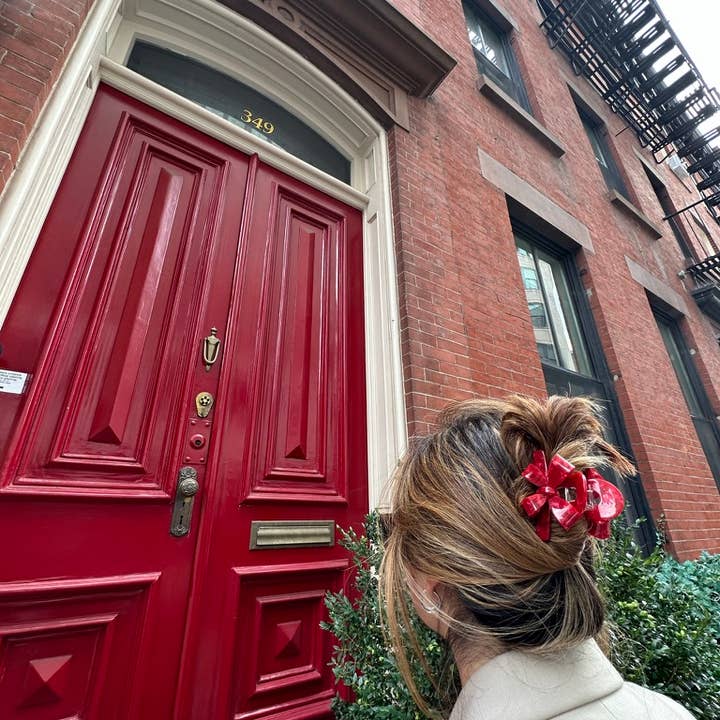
<point>706,292</point>
<point>706,272</point>
<point>630,54</point>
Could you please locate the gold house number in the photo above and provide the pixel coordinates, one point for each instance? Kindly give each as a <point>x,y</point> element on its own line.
<point>260,123</point>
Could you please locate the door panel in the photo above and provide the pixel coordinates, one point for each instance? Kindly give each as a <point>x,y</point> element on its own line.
<point>290,446</point>
<point>286,670</point>
<point>157,235</point>
<point>123,327</point>
<point>68,645</point>
<point>299,427</point>
<point>108,321</point>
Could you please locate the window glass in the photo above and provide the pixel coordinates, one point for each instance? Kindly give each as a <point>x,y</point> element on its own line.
<point>694,394</point>
<point>553,315</point>
<point>678,364</point>
<point>529,276</point>
<point>538,315</point>
<point>239,104</point>
<point>486,39</point>
<point>596,144</point>
<point>493,55</point>
<point>555,307</point>
<point>603,156</point>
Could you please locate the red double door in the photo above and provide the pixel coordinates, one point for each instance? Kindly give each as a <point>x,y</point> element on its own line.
<point>158,234</point>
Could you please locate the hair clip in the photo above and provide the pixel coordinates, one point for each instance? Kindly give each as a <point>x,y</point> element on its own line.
<point>567,495</point>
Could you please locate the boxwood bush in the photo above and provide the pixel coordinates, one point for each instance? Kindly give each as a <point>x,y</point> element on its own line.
<point>664,620</point>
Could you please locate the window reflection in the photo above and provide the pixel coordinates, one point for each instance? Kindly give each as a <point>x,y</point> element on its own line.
<point>552,313</point>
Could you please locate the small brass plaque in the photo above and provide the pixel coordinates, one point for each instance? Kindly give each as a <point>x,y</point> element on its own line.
<point>274,534</point>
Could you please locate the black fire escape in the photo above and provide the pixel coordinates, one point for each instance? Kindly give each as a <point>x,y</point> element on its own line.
<point>629,53</point>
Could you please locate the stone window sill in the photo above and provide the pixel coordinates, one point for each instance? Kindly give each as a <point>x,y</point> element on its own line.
<point>497,95</point>
<point>625,205</point>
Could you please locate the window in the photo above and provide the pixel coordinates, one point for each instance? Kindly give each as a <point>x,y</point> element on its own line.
<point>239,104</point>
<point>596,135</point>
<point>694,393</point>
<point>569,348</point>
<point>668,208</point>
<point>555,322</point>
<point>493,54</point>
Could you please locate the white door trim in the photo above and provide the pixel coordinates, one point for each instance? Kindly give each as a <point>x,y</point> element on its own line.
<point>213,34</point>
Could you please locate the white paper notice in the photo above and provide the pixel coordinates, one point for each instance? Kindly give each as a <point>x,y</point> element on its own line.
<point>13,382</point>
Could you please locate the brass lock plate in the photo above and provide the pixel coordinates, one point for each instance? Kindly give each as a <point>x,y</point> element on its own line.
<point>187,487</point>
<point>203,404</point>
<point>197,438</point>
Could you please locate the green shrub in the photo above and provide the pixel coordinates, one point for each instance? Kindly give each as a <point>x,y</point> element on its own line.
<point>362,660</point>
<point>665,622</point>
<point>664,618</point>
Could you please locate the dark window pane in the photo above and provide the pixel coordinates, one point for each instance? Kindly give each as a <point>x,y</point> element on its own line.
<point>603,156</point>
<point>485,39</point>
<point>239,104</point>
<point>547,352</point>
<point>493,54</point>
<point>681,371</point>
<point>709,442</point>
<point>694,393</point>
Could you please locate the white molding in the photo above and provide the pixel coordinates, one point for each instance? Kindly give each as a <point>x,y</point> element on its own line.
<point>26,199</point>
<point>211,33</point>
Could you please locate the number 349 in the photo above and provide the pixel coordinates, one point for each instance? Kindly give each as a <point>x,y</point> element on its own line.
<point>265,125</point>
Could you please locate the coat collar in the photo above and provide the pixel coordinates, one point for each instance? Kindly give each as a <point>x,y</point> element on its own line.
<point>521,686</point>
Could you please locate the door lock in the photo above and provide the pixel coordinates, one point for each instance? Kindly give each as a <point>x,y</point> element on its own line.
<point>203,404</point>
<point>187,488</point>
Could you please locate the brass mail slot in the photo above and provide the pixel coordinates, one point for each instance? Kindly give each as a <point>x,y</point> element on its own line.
<point>273,534</point>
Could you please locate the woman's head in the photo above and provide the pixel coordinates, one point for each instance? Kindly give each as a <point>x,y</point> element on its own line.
<point>457,524</point>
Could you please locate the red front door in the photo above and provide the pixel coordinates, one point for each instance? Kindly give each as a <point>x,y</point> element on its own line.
<point>158,234</point>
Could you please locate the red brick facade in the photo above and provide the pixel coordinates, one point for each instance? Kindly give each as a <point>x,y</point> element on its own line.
<point>465,323</point>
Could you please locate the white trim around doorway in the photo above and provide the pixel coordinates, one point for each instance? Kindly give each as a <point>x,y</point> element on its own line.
<point>213,34</point>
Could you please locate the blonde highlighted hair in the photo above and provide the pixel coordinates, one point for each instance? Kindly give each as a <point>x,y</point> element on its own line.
<point>456,518</point>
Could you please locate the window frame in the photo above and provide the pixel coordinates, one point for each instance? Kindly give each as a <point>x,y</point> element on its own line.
<point>512,84</point>
<point>595,129</point>
<point>668,208</point>
<point>646,533</point>
<point>697,387</point>
<point>572,325</point>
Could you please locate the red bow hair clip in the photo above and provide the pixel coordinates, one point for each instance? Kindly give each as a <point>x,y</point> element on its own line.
<point>585,494</point>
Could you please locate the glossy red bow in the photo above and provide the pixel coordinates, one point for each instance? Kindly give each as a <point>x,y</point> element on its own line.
<point>606,502</point>
<point>549,479</point>
<point>595,498</point>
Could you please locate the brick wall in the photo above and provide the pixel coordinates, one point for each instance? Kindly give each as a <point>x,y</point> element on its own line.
<point>465,323</point>
<point>35,38</point>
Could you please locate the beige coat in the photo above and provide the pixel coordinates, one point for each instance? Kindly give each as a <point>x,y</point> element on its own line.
<point>580,684</point>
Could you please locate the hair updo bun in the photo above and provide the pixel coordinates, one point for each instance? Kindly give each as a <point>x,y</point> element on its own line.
<point>567,426</point>
<point>457,518</point>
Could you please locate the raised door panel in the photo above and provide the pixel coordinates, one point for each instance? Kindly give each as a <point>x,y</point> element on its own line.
<point>108,400</point>
<point>69,649</point>
<point>290,456</point>
<point>280,658</point>
<point>300,431</point>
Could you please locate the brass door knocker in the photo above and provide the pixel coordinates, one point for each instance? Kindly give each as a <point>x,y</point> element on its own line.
<point>211,349</point>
